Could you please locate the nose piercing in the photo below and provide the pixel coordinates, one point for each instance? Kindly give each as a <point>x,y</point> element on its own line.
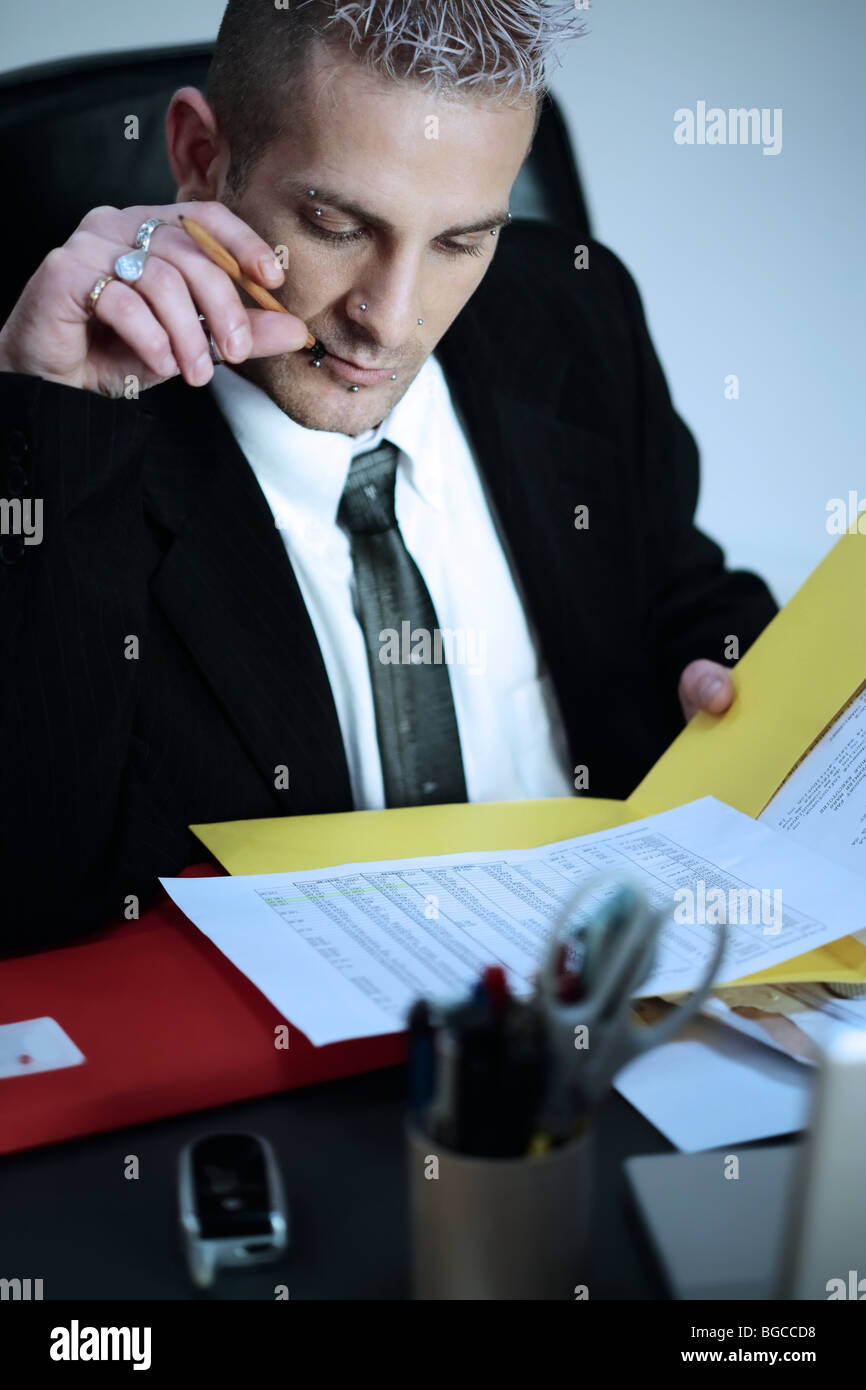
<point>363,307</point>
<point>420,321</point>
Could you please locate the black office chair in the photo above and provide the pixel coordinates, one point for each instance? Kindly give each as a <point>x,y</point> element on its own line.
<point>63,151</point>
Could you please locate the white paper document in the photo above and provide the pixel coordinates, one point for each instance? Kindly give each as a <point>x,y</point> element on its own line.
<point>823,803</point>
<point>712,1087</point>
<point>344,952</point>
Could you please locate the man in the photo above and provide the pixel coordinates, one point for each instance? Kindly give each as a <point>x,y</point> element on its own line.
<point>483,581</point>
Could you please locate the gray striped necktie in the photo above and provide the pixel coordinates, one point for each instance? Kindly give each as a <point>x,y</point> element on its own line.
<point>419,742</point>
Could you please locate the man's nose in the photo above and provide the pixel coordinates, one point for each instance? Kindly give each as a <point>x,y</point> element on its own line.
<point>385,300</point>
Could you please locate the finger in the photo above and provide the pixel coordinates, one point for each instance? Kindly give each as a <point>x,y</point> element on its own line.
<point>229,319</point>
<point>705,685</point>
<point>163,287</point>
<point>175,280</point>
<point>217,296</point>
<point>251,251</point>
<point>124,311</point>
<point>275,334</point>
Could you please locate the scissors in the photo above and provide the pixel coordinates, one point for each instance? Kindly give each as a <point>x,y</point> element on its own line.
<point>616,945</point>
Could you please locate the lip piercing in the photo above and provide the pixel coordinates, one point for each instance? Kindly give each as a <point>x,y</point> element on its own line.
<point>393,376</point>
<point>311,192</point>
<point>354,388</point>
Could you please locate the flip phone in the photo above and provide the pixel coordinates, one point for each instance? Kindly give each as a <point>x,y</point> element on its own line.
<point>231,1204</point>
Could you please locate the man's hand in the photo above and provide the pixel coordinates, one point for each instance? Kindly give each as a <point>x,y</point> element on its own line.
<point>705,685</point>
<point>150,329</point>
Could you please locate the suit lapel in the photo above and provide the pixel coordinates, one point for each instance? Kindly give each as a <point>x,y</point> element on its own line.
<point>229,591</point>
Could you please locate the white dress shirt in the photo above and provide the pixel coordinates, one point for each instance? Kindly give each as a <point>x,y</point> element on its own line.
<point>511,732</point>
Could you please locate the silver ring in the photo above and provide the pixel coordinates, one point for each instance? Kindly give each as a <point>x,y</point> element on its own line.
<point>130,265</point>
<point>146,231</point>
<point>214,350</point>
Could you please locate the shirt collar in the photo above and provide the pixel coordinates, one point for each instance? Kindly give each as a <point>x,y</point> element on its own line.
<point>310,467</point>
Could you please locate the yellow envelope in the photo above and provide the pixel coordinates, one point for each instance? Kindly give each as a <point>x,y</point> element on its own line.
<point>315,842</point>
<point>790,686</point>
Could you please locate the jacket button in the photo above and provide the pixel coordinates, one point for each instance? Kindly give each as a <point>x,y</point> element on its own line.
<point>11,549</point>
<point>16,481</point>
<point>17,446</point>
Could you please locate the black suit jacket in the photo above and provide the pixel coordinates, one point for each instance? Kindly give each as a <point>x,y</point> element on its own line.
<point>155,529</point>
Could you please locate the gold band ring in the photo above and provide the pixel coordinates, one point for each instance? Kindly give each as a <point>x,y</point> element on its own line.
<point>93,297</point>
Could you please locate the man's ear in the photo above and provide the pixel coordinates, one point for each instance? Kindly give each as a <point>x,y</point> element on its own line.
<point>197,151</point>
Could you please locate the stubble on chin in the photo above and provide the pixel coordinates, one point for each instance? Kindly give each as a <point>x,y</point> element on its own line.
<point>276,376</point>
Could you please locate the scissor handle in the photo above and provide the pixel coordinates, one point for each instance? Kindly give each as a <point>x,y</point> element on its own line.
<point>623,946</point>
<point>653,1034</point>
<point>625,966</point>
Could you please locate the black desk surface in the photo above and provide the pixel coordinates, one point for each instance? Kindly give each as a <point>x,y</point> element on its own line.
<point>70,1217</point>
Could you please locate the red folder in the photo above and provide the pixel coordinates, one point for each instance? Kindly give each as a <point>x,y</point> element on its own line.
<point>166,1024</point>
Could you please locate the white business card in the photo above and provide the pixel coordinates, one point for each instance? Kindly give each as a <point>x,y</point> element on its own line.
<point>36,1044</point>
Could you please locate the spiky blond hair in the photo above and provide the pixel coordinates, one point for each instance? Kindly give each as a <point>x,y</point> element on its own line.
<point>497,49</point>
<point>501,46</point>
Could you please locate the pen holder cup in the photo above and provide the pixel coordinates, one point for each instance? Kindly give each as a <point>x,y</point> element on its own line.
<point>499,1228</point>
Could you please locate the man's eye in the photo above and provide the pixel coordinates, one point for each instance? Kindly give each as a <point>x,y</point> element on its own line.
<point>318,230</point>
<point>458,248</point>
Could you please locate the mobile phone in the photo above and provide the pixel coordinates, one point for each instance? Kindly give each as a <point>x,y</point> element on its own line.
<point>231,1204</point>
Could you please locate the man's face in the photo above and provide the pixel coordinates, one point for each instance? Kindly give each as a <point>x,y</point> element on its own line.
<point>408,188</point>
